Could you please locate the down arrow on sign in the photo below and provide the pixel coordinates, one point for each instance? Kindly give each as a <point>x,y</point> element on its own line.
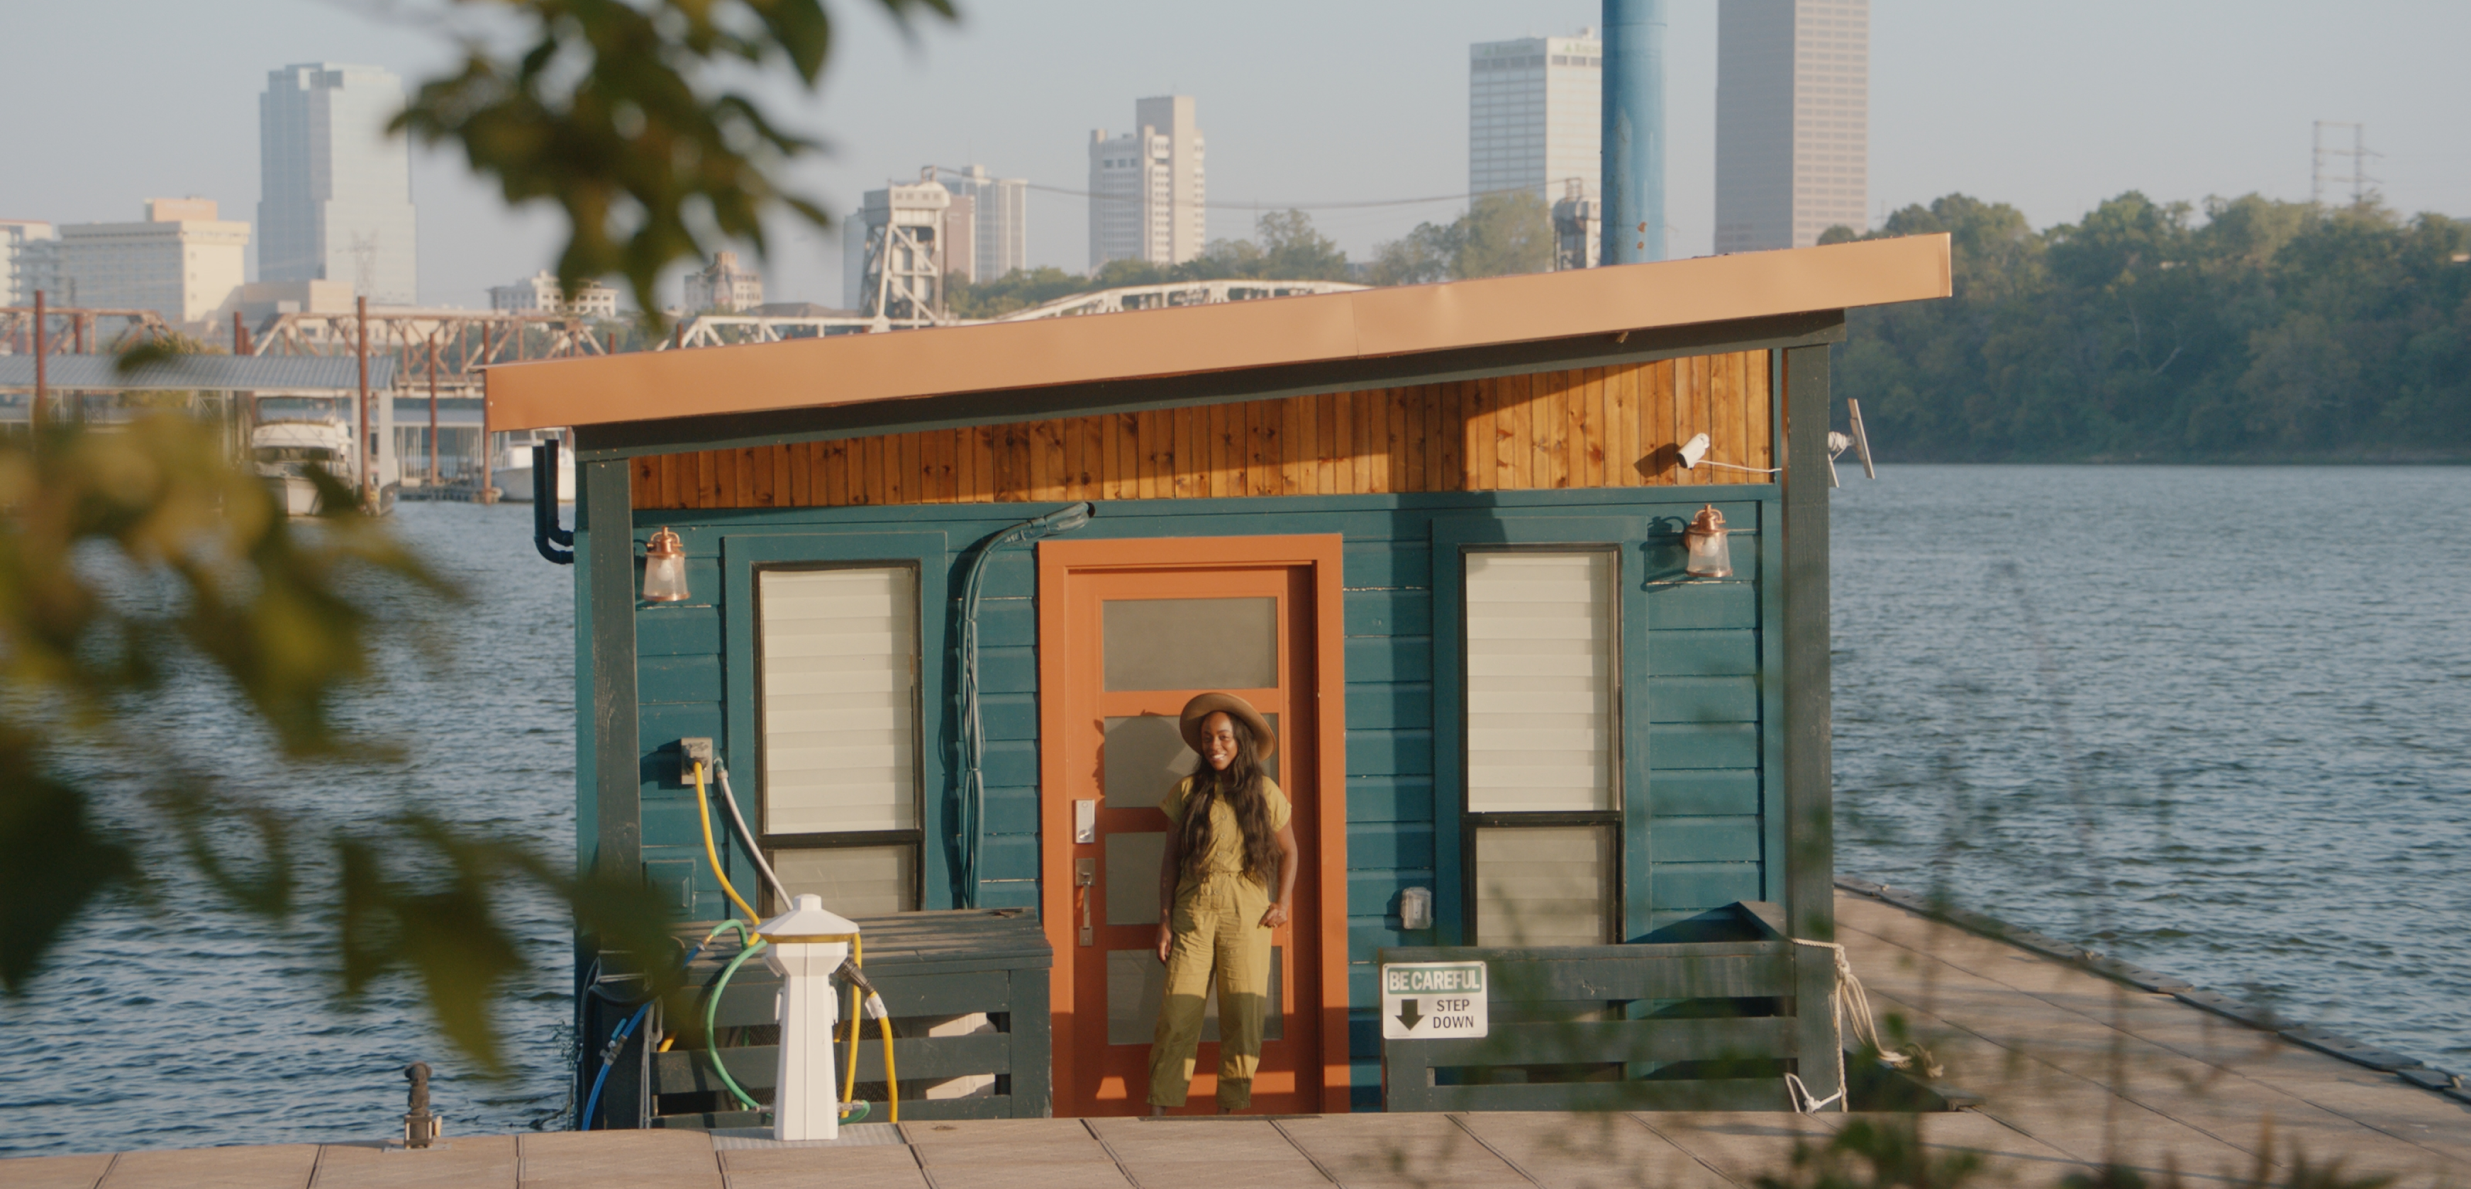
<point>1407,1014</point>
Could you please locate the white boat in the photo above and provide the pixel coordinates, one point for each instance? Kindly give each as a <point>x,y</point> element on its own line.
<point>511,471</point>
<point>284,451</point>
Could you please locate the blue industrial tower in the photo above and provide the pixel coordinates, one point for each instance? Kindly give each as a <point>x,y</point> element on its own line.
<point>1633,174</point>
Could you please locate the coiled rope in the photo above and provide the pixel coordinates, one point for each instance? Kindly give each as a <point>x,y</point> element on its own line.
<point>1849,999</point>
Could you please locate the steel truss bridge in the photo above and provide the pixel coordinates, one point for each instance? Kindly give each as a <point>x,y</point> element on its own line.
<point>465,341</point>
<point>77,330</point>
<point>719,330</point>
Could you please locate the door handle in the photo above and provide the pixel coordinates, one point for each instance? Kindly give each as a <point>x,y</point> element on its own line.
<point>1085,883</point>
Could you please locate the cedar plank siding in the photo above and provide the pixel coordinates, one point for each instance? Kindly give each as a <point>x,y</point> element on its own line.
<point>1595,427</point>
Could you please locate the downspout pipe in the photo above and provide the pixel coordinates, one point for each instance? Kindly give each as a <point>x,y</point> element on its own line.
<point>546,535</point>
<point>1632,174</point>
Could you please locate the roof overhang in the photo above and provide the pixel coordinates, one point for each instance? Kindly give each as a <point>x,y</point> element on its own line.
<point>702,394</point>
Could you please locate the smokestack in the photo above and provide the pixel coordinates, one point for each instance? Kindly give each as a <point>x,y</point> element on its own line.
<point>1633,170</point>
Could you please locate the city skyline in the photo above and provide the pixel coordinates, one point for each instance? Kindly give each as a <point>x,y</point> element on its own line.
<point>1792,121</point>
<point>335,191</point>
<point>1947,113</point>
<point>1148,194</point>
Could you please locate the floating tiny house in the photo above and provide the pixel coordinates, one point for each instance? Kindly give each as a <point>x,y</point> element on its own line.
<point>947,588</point>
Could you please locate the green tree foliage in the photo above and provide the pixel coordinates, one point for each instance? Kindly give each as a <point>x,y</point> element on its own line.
<point>128,557</point>
<point>1500,234</point>
<point>2251,329</point>
<point>617,113</point>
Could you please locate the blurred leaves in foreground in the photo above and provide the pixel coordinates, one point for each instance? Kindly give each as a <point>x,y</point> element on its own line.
<point>140,554</point>
<point>1890,1152</point>
<point>619,114</point>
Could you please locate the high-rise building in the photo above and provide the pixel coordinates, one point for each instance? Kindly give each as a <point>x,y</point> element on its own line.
<point>29,260</point>
<point>181,262</point>
<point>1792,121</point>
<point>541,294</point>
<point>335,198</point>
<point>1146,194</point>
<point>1001,210</point>
<point>722,287</point>
<point>1535,113</point>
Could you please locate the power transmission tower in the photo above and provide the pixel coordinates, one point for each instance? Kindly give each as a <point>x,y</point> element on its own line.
<point>2359,153</point>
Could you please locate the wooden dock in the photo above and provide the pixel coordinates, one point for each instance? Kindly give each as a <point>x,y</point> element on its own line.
<point>2073,1070</point>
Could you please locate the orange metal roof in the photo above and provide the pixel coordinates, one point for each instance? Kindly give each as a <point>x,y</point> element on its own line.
<point>859,369</point>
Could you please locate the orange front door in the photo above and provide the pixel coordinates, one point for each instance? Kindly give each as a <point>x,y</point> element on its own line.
<point>1135,643</point>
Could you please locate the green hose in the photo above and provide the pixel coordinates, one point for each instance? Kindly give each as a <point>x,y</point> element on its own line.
<point>851,1112</point>
<point>712,1039</point>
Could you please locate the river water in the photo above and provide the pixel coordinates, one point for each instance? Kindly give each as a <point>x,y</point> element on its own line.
<point>2214,721</point>
<point>2209,720</point>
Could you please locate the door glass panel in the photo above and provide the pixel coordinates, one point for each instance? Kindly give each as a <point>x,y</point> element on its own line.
<point>853,880</point>
<point>1195,644</point>
<point>1539,682</point>
<point>1132,877</point>
<point>1543,885</point>
<point>1146,757</point>
<point>1137,980</point>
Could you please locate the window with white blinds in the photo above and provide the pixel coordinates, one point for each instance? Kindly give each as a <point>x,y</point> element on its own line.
<point>1540,673</point>
<point>840,699</point>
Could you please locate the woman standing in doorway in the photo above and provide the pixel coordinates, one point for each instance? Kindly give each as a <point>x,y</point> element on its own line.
<point>1229,839</point>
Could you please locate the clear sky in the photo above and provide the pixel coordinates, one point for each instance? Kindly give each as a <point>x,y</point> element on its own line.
<point>2052,107</point>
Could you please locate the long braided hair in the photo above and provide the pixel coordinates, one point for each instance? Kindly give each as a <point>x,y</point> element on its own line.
<point>1240,786</point>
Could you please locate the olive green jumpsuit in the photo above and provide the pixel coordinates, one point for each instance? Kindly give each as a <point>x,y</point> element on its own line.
<point>1217,925</point>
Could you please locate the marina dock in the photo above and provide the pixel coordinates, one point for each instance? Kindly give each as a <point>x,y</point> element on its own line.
<point>2072,1070</point>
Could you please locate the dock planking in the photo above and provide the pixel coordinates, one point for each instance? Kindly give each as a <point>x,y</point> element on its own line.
<point>2075,1070</point>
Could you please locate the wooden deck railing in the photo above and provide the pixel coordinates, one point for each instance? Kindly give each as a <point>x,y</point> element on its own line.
<point>1652,1025</point>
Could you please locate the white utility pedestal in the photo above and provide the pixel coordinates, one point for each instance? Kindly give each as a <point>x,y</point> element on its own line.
<point>807,944</point>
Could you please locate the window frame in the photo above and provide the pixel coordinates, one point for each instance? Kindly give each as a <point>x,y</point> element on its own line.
<point>1616,818</point>
<point>745,558</point>
<point>915,836</point>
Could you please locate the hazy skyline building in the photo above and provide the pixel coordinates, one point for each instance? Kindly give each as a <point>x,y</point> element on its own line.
<point>1147,195</point>
<point>1001,214</point>
<point>1792,121</point>
<point>541,294</point>
<point>1535,114</point>
<point>721,287</point>
<point>29,260</point>
<point>335,196</point>
<point>182,261</point>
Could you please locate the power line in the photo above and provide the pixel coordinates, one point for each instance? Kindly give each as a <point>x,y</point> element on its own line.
<point>1267,206</point>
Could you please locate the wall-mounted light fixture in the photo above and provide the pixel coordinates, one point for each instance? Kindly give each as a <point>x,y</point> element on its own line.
<point>1705,539</point>
<point>664,569</point>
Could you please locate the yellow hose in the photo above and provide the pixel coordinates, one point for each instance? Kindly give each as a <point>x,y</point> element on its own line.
<point>703,816</point>
<point>892,1078</point>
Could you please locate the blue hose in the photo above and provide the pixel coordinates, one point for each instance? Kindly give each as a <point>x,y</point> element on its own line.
<point>970,812</point>
<point>617,1039</point>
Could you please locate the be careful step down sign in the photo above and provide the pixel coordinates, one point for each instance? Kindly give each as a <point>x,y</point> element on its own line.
<point>1432,1001</point>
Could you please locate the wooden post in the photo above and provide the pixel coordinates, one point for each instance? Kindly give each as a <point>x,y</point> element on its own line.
<point>488,485</point>
<point>367,453</point>
<point>1810,863</point>
<point>42,377</point>
<point>433,411</point>
<point>605,571</point>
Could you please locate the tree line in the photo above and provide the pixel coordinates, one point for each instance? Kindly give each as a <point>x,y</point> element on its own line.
<point>2244,330</point>
<point>1499,234</point>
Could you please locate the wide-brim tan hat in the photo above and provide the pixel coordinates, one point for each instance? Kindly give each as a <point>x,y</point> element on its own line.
<point>1265,740</point>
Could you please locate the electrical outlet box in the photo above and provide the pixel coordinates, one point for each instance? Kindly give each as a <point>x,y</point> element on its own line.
<point>690,753</point>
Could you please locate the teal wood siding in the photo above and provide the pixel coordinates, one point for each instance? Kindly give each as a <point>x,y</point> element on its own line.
<point>1700,693</point>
